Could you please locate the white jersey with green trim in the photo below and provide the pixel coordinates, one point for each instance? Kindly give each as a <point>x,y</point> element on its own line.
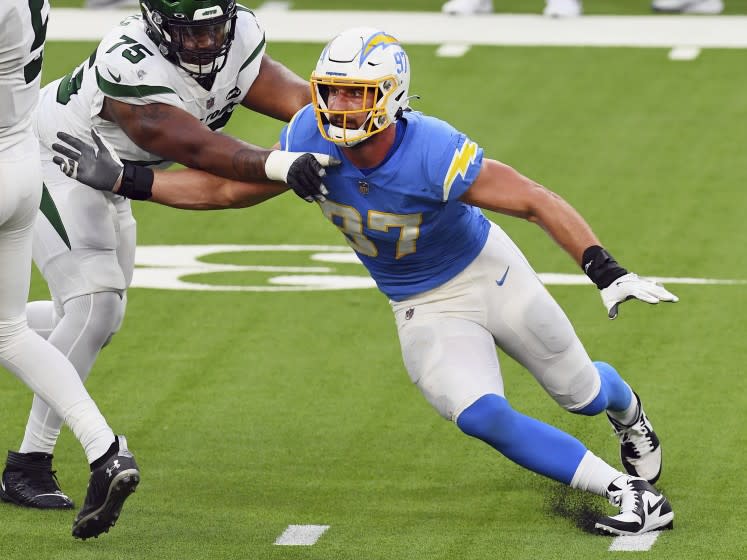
<point>23,28</point>
<point>128,67</point>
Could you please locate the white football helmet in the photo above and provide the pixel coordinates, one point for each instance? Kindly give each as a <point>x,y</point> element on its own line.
<point>371,61</point>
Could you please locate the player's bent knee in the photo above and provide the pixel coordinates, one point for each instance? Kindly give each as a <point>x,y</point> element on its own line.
<point>574,391</point>
<point>596,406</point>
<point>95,316</point>
<point>118,319</point>
<point>10,331</point>
<point>489,418</point>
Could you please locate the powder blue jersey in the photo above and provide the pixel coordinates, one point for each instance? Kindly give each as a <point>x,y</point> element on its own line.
<point>403,218</point>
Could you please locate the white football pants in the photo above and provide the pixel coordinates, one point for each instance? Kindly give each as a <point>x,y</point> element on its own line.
<point>34,361</point>
<point>449,334</point>
<point>84,245</point>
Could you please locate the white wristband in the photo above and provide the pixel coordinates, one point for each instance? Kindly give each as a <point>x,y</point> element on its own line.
<point>278,163</point>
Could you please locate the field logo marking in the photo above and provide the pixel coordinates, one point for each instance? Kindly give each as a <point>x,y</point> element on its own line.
<point>169,267</point>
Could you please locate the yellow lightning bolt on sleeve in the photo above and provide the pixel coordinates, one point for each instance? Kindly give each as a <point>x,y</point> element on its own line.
<point>462,159</point>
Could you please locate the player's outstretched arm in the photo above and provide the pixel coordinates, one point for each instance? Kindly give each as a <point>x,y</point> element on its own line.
<point>501,188</point>
<point>175,135</point>
<point>273,77</point>
<point>189,189</point>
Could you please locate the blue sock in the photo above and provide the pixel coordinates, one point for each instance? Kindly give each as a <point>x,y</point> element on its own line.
<point>614,393</point>
<point>526,441</point>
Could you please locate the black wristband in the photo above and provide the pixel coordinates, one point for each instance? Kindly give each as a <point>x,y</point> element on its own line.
<point>137,182</point>
<point>601,267</point>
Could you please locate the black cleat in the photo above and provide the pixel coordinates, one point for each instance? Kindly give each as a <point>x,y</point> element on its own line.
<point>29,481</point>
<point>108,488</point>
<point>640,450</point>
<point>642,508</point>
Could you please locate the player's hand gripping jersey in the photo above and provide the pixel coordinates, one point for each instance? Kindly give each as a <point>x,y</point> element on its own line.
<point>126,66</point>
<point>403,218</point>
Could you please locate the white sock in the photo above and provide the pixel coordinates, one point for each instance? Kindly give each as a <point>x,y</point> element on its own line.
<point>594,475</point>
<point>52,378</point>
<point>90,428</point>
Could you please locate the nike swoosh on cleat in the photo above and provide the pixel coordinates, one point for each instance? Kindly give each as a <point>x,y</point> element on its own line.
<point>503,278</point>
<point>651,508</point>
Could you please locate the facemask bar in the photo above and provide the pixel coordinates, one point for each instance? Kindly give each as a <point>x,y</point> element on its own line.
<point>373,106</point>
<point>202,48</point>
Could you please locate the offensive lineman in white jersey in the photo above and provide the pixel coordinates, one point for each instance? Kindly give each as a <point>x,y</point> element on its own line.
<point>37,363</point>
<point>157,87</point>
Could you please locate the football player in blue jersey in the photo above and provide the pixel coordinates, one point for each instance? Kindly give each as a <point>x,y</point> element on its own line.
<point>407,197</point>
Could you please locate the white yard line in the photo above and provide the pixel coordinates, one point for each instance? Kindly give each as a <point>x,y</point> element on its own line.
<point>432,28</point>
<point>452,50</point>
<point>301,535</point>
<point>274,5</point>
<point>638,543</point>
<point>684,53</point>
<point>164,267</point>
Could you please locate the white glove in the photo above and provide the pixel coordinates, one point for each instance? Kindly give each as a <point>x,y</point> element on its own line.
<point>302,172</point>
<point>631,286</point>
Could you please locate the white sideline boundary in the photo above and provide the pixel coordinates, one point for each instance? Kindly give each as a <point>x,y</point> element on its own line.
<point>433,28</point>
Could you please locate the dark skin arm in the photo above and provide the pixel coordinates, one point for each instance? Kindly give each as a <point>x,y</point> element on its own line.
<point>263,96</point>
<point>175,135</point>
<point>191,189</point>
<point>501,188</point>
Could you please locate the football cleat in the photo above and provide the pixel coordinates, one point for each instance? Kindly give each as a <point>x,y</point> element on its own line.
<point>109,486</point>
<point>642,508</point>
<point>29,481</point>
<point>640,451</point>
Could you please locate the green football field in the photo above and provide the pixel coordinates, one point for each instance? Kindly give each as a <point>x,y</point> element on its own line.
<point>250,411</point>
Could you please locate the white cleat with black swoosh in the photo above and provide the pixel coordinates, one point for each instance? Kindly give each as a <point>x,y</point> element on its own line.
<point>642,508</point>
